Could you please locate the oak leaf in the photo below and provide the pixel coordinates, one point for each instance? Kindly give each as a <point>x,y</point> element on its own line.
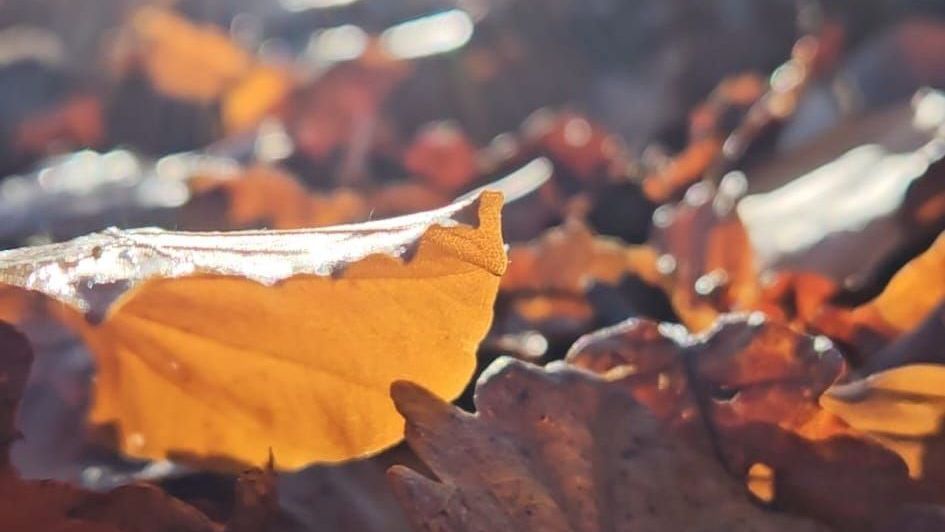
<point>755,384</point>
<point>229,345</point>
<point>559,449</point>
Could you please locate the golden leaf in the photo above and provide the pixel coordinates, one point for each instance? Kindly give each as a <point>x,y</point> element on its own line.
<point>51,505</point>
<point>908,299</point>
<point>227,345</point>
<point>899,408</point>
<point>185,60</point>
<point>914,291</point>
<point>258,93</point>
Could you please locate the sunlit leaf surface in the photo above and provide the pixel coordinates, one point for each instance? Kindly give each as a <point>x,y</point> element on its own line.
<point>227,345</point>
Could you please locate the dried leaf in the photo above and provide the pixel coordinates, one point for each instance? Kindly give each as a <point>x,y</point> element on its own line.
<point>569,257</point>
<point>443,157</point>
<point>265,196</point>
<point>909,299</point>
<point>558,449</point>
<point>573,141</point>
<point>755,383</point>
<point>215,345</point>
<point>350,496</point>
<point>257,94</point>
<point>706,260</point>
<point>847,204</point>
<point>256,502</point>
<point>55,506</point>
<point>902,408</point>
<point>186,60</point>
<point>796,297</point>
<point>924,344</point>
<point>13,307</point>
<point>746,370</point>
<point>685,169</point>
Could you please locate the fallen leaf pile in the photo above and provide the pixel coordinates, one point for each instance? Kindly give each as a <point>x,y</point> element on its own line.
<point>372,318</point>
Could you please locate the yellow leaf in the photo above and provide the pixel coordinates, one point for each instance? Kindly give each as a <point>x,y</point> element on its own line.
<point>899,408</point>
<point>258,93</point>
<point>186,60</point>
<point>227,345</point>
<point>914,291</point>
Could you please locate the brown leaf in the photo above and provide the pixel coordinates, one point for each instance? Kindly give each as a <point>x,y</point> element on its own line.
<point>745,370</point>
<point>15,360</point>
<point>755,383</point>
<point>795,297</point>
<point>256,501</point>
<point>558,449</point>
<point>683,170</point>
<point>183,59</point>
<point>706,259</point>
<point>350,496</point>
<point>443,157</point>
<point>573,141</point>
<point>567,258</point>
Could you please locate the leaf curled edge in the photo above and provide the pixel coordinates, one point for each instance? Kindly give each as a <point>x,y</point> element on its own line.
<point>222,346</point>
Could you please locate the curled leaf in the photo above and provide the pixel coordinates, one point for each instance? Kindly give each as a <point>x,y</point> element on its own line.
<point>229,345</point>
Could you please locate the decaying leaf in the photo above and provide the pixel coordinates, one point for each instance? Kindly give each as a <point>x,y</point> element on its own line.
<point>744,370</point>
<point>58,507</point>
<point>13,306</point>
<point>559,449</point>
<point>755,384</point>
<point>350,496</point>
<point>706,258</point>
<point>924,344</point>
<point>685,169</point>
<point>229,345</point>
